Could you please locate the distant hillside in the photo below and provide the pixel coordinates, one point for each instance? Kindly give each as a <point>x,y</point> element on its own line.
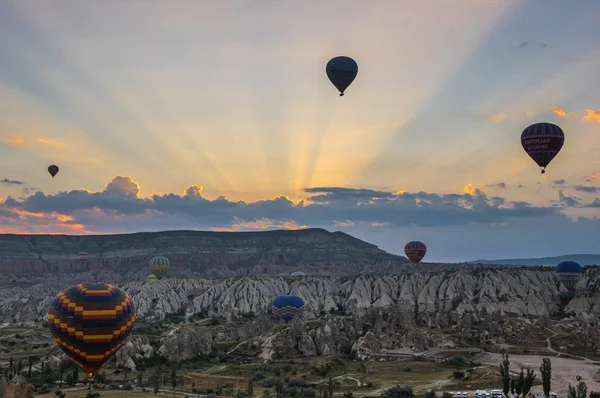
<point>583,259</point>
<point>197,253</point>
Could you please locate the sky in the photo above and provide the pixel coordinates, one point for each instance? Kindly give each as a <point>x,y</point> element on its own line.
<point>219,116</point>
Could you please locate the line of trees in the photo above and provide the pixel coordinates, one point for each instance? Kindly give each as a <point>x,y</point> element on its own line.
<point>520,385</point>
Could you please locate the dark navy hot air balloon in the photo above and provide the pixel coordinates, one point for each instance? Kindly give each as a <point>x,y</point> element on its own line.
<point>341,71</point>
<point>569,273</point>
<point>287,308</point>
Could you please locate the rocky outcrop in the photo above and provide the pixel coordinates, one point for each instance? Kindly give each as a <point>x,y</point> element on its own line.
<point>186,343</point>
<point>17,388</point>
<point>436,300</point>
<point>135,349</point>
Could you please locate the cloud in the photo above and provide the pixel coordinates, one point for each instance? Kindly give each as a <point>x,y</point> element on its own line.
<point>497,117</point>
<point>586,188</point>
<point>118,208</point>
<point>567,201</point>
<point>594,204</point>
<point>123,187</point>
<point>13,182</point>
<point>560,113</point>
<point>591,116</point>
<point>592,177</point>
<point>558,182</point>
<point>16,140</point>
<point>499,185</point>
<point>521,186</point>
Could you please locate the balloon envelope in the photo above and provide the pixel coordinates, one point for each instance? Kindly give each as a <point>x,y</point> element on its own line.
<point>83,256</point>
<point>415,251</point>
<point>53,170</point>
<point>542,142</point>
<point>341,71</point>
<point>159,266</point>
<point>151,278</point>
<point>287,307</point>
<point>90,322</point>
<point>569,273</point>
<point>297,273</point>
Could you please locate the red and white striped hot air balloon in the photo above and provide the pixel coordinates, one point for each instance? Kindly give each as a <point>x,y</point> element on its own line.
<point>415,251</point>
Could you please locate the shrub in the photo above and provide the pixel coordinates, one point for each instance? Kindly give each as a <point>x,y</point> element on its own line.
<point>458,374</point>
<point>407,369</point>
<point>457,360</point>
<point>348,394</point>
<point>400,392</point>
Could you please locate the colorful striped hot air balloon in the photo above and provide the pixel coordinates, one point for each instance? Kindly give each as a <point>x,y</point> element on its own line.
<point>569,273</point>
<point>415,251</point>
<point>287,308</point>
<point>83,256</point>
<point>151,278</point>
<point>90,322</point>
<point>159,266</point>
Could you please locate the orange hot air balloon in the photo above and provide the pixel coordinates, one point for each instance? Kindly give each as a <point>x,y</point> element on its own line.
<point>53,170</point>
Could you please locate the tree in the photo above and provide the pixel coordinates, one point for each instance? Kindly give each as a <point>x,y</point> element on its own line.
<point>174,377</point>
<point>594,394</point>
<point>504,375</point>
<point>513,381</point>
<point>250,388</point>
<point>578,392</point>
<point>140,378</point>
<point>11,365</point>
<point>520,382</point>
<point>528,381</point>
<point>279,388</point>
<point>546,371</point>
<point>30,360</point>
<point>155,379</point>
<point>330,387</point>
<point>75,374</point>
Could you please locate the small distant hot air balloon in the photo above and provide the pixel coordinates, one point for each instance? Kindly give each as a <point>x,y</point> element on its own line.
<point>569,273</point>
<point>542,142</point>
<point>151,278</point>
<point>415,251</point>
<point>297,273</point>
<point>83,256</point>
<point>159,266</point>
<point>53,170</point>
<point>90,322</point>
<point>287,308</point>
<point>341,71</point>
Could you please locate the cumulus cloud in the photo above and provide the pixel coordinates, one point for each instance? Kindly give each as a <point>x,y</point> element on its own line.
<point>118,208</point>
<point>123,187</point>
<point>594,204</point>
<point>560,113</point>
<point>591,116</point>
<point>12,182</point>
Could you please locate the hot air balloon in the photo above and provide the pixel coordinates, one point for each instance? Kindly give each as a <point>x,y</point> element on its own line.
<point>90,322</point>
<point>53,170</point>
<point>542,142</point>
<point>297,273</point>
<point>415,251</point>
<point>287,308</point>
<point>569,273</point>
<point>159,266</point>
<point>83,256</point>
<point>341,71</point>
<point>151,278</point>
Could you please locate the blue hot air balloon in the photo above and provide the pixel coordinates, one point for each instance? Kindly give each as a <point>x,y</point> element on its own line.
<point>287,308</point>
<point>569,273</point>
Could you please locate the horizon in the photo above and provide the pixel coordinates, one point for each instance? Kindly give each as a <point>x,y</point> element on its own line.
<point>220,117</point>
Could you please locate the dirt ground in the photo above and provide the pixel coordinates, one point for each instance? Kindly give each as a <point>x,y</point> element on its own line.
<point>564,371</point>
